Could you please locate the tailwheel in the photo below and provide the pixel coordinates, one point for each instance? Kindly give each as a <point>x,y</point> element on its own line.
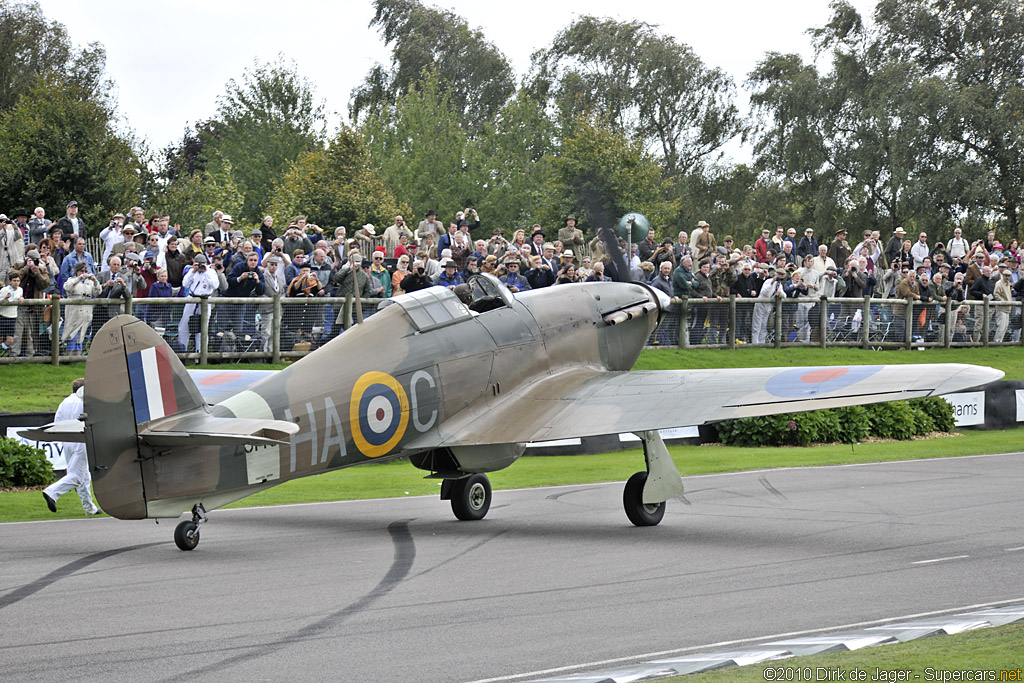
<point>471,497</point>
<point>640,513</point>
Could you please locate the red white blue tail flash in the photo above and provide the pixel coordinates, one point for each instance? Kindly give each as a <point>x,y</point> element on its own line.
<point>152,384</point>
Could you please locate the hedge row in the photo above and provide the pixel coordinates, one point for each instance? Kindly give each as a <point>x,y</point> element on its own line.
<point>22,465</point>
<point>894,420</point>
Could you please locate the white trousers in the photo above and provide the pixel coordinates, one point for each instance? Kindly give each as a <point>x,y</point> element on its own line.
<point>186,314</point>
<point>760,323</point>
<point>78,477</point>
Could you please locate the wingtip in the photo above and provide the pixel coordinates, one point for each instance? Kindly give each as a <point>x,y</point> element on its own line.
<point>975,376</point>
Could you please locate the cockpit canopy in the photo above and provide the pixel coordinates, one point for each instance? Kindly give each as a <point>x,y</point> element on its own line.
<point>435,307</point>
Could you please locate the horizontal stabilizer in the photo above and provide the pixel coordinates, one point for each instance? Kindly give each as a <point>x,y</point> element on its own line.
<point>72,431</point>
<point>201,429</point>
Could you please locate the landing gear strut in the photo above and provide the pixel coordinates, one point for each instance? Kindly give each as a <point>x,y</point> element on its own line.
<point>646,492</point>
<point>470,496</point>
<point>186,534</point>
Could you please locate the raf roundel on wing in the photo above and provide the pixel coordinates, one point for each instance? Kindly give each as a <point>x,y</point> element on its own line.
<point>804,382</point>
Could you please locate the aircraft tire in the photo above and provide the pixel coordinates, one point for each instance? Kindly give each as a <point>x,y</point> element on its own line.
<point>639,513</point>
<point>186,535</point>
<point>471,497</point>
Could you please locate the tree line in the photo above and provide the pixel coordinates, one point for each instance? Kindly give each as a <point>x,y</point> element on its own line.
<point>915,120</point>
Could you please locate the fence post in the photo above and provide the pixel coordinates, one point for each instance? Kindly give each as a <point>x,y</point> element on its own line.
<point>910,324</point>
<point>778,322</point>
<point>684,329</point>
<point>129,304</point>
<point>823,322</point>
<point>732,321</point>
<point>985,315</point>
<point>204,329</point>
<point>947,332</point>
<point>275,330</point>
<point>865,324</point>
<point>54,329</point>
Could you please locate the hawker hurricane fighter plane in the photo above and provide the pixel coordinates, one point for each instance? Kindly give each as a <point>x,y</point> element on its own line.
<point>456,389</point>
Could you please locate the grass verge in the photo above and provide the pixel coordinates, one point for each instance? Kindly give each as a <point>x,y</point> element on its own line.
<point>1008,359</point>
<point>996,650</point>
<point>397,479</point>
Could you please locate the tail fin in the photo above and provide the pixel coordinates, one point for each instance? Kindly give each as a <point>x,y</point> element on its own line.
<point>131,379</point>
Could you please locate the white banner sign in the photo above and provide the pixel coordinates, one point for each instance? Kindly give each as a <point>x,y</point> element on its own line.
<point>54,450</point>
<point>1020,405</point>
<point>968,408</point>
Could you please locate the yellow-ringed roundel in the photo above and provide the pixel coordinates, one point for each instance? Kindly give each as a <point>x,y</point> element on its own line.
<point>378,412</point>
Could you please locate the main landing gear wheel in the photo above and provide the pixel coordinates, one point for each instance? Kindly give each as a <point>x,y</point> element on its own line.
<point>471,497</point>
<point>186,535</point>
<point>640,513</point>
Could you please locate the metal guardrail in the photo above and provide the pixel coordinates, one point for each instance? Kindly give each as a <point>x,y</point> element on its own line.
<point>868,323</point>
<point>273,328</point>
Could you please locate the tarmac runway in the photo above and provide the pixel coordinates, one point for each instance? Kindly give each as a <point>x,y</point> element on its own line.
<point>398,590</point>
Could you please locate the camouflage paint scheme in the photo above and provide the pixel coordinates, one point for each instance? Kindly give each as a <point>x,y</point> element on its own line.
<point>454,390</point>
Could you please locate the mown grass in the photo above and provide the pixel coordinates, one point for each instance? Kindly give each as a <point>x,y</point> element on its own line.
<point>397,479</point>
<point>32,387</point>
<point>936,659</point>
<point>1008,359</point>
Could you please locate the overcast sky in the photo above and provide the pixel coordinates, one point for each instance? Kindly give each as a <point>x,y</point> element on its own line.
<point>170,60</point>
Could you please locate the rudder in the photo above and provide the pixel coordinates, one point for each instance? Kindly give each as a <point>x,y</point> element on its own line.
<point>131,379</point>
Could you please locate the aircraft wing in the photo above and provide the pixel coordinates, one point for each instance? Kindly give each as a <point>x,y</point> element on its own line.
<point>592,402</point>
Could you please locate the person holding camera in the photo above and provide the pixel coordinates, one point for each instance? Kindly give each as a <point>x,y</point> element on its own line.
<point>82,285</point>
<point>34,281</point>
<point>10,294</point>
<point>200,280</point>
<point>855,278</point>
<point>773,287</point>
<point>468,216</point>
<point>417,278</point>
<point>244,280</point>
<point>112,235</point>
<point>12,246</point>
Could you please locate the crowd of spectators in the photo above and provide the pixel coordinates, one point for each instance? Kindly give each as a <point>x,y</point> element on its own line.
<point>779,266</point>
<point>152,259</point>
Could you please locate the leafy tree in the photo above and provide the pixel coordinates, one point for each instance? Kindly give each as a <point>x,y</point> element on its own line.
<point>645,83</point>
<point>335,186</point>
<point>737,200</point>
<point>472,72</point>
<point>188,158</point>
<point>605,175</point>
<point>855,142</point>
<point>518,148</point>
<point>68,149</point>
<point>32,46</point>
<point>264,122</point>
<point>916,124</point>
<point>193,197</point>
<point>971,50</point>
<point>423,153</point>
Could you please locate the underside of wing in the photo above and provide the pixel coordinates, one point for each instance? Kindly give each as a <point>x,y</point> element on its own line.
<point>70,431</point>
<point>591,402</point>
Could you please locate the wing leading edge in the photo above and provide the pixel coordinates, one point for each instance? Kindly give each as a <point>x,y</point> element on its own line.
<point>591,402</point>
